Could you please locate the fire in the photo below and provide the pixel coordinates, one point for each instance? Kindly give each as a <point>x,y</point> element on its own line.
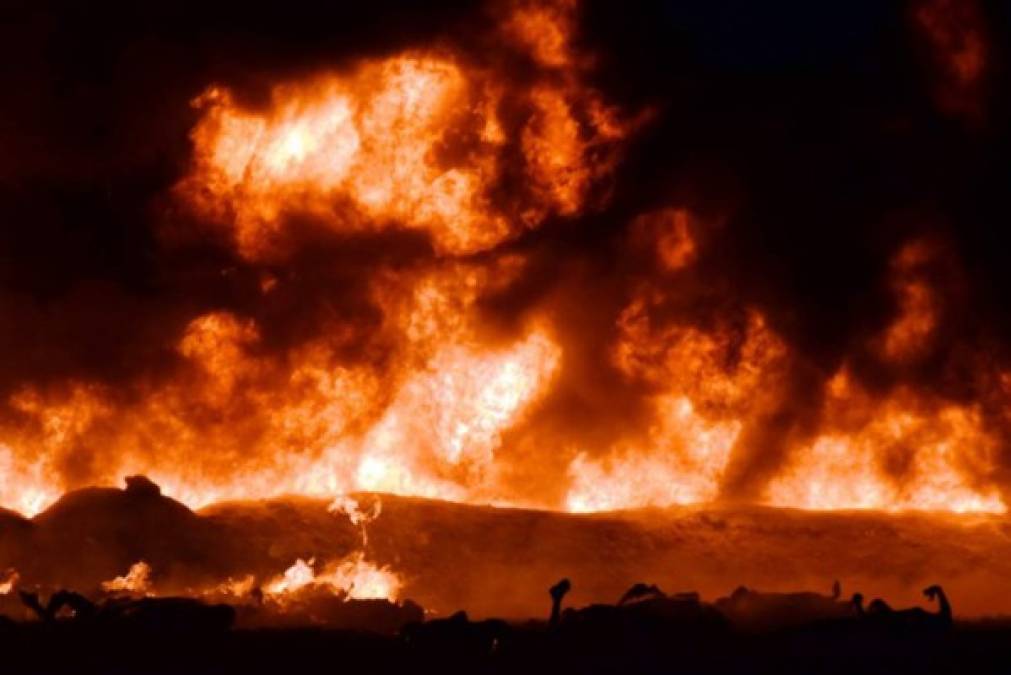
<point>349,506</point>
<point>9,581</point>
<point>353,577</point>
<point>913,327</point>
<point>136,580</point>
<point>413,141</point>
<point>418,140</point>
<point>902,454</point>
<point>722,369</point>
<point>682,463</point>
<point>24,482</point>
<point>298,575</point>
<point>417,391</point>
<point>451,416</point>
<point>709,382</point>
<point>231,589</point>
<point>435,437</point>
<point>908,336</point>
<point>367,142</point>
<point>301,425</point>
<point>667,233</point>
<point>954,32</point>
<point>544,30</point>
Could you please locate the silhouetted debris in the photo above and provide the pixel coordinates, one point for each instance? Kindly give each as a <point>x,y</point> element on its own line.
<point>639,591</point>
<point>332,611</point>
<point>557,593</point>
<point>457,634</point>
<point>755,610</point>
<point>881,616</point>
<point>163,614</point>
<point>142,486</point>
<point>646,631</point>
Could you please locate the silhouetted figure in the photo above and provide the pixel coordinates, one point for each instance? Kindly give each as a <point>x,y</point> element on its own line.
<point>757,610</point>
<point>154,613</point>
<point>943,614</point>
<point>557,592</point>
<point>142,486</point>
<point>858,603</point>
<point>458,634</point>
<point>642,610</point>
<point>595,615</point>
<point>31,601</point>
<point>80,606</point>
<point>914,617</point>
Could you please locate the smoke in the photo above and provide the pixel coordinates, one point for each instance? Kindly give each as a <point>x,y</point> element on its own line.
<point>593,258</point>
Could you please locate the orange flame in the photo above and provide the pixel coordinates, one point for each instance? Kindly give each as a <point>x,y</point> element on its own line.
<point>9,581</point>
<point>352,577</point>
<point>136,580</point>
<point>414,141</point>
<point>682,464</point>
<point>903,454</point>
<point>301,425</point>
<point>433,142</point>
<point>955,33</point>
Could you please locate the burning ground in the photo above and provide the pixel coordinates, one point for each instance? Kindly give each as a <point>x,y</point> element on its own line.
<point>523,254</point>
<point>490,561</point>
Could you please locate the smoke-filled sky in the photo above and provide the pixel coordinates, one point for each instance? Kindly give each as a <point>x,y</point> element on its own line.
<point>564,254</point>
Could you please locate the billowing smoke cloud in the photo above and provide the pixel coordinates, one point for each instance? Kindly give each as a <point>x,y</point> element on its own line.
<point>541,253</point>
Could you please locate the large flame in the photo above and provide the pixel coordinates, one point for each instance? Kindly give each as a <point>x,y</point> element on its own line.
<point>366,144</point>
<point>242,426</point>
<point>415,141</point>
<point>901,453</point>
<point>465,155</point>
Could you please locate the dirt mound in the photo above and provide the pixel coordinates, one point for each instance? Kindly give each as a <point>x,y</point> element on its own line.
<point>95,534</point>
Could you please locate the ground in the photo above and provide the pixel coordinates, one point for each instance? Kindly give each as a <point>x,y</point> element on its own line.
<point>969,648</point>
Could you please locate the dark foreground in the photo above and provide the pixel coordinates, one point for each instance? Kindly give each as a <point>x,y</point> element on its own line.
<point>70,648</point>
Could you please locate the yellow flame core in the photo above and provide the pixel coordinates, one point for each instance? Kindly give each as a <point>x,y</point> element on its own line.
<point>368,143</point>
<point>136,580</point>
<point>353,577</point>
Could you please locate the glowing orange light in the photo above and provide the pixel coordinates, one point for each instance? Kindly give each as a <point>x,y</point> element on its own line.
<point>136,580</point>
